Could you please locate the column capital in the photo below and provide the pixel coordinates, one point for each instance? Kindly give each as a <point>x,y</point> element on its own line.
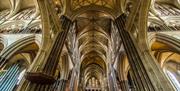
<point>64,20</point>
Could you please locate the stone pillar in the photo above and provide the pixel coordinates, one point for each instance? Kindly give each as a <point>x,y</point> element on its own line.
<point>112,76</point>
<point>73,80</point>
<point>111,84</point>
<point>133,83</point>
<point>44,79</point>
<point>141,72</point>
<point>49,65</point>
<point>124,85</point>
<point>60,85</point>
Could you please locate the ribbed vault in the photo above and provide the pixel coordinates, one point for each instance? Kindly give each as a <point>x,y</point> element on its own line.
<point>93,34</point>
<point>90,44</point>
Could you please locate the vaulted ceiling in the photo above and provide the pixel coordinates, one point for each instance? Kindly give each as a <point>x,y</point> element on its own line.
<point>93,33</point>
<point>93,27</point>
<point>24,4</point>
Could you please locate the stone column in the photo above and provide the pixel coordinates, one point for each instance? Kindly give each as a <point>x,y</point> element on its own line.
<point>72,80</point>
<point>124,85</point>
<point>111,84</point>
<point>133,83</point>
<point>60,85</point>
<point>49,65</point>
<point>44,78</point>
<point>113,78</point>
<point>141,72</point>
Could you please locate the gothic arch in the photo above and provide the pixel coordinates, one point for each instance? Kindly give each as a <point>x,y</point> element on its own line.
<point>168,48</point>
<point>20,59</point>
<point>171,42</point>
<point>99,30</point>
<point>90,67</point>
<point>12,49</point>
<point>123,66</point>
<point>112,14</point>
<point>17,58</point>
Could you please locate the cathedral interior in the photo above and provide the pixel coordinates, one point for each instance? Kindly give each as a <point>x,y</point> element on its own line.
<point>89,45</point>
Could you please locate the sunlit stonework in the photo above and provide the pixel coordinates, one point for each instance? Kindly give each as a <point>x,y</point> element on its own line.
<point>89,45</point>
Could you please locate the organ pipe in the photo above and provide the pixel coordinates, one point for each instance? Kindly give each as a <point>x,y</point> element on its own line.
<point>10,78</point>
